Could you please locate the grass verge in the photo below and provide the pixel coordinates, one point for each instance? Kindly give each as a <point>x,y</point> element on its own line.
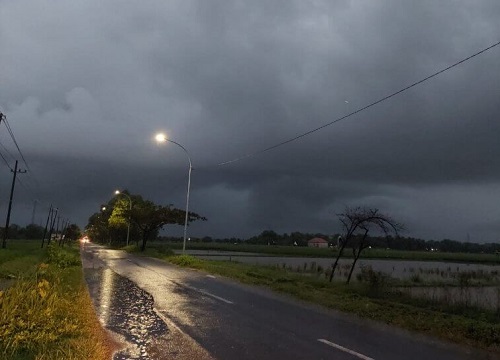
<point>47,313</point>
<point>373,300</point>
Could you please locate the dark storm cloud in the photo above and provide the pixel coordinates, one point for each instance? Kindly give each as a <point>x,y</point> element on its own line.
<point>85,86</point>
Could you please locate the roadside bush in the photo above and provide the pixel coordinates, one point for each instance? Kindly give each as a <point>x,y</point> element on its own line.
<point>62,257</point>
<point>132,248</point>
<point>165,250</point>
<point>377,281</point>
<point>185,260</point>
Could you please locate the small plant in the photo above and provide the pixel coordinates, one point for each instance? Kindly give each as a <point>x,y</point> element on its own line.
<point>313,266</point>
<point>319,269</point>
<point>416,278</point>
<point>376,280</point>
<point>464,279</point>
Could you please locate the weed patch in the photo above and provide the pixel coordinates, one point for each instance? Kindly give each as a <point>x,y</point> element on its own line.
<point>47,312</point>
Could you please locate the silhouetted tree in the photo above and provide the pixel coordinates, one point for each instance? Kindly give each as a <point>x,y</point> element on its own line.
<point>358,222</point>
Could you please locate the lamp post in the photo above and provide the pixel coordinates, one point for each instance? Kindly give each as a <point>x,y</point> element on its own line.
<point>118,192</point>
<point>162,138</point>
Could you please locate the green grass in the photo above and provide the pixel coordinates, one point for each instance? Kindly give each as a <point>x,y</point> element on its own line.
<point>301,251</point>
<point>465,325</point>
<point>21,258</point>
<point>46,313</point>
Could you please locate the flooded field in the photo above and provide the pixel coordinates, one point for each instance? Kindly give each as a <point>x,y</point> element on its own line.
<point>401,269</point>
<point>454,283</point>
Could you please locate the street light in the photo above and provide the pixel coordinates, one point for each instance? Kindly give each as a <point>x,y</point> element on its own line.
<point>162,138</point>
<point>118,192</point>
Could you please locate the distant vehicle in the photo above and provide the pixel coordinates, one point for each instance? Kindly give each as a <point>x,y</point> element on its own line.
<point>84,240</point>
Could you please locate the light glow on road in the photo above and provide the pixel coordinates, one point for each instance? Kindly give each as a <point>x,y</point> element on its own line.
<point>106,293</point>
<point>344,349</point>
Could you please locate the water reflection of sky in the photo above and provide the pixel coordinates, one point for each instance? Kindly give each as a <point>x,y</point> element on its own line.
<point>126,310</point>
<point>402,269</point>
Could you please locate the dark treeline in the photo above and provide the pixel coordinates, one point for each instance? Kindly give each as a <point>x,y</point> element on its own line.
<point>35,232</point>
<point>269,237</point>
<point>29,232</point>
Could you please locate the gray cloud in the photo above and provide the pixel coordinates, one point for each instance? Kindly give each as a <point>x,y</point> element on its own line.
<point>86,85</point>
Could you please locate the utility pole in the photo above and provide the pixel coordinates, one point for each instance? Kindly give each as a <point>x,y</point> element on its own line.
<point>63,230</point>
<point>54,215</point>
<point>7,221</point>
<point>57,225</point>
<point>65,234</point>
<point>47,224</point>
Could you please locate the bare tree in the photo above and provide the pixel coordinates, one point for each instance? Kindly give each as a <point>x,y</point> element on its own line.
<point>358,222</point>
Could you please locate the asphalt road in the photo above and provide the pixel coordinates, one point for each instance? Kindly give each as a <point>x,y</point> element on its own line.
<point>234,321</point>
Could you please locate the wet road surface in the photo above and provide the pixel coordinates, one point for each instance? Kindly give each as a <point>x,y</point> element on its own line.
<point>126,310</point>
<point>128,314</point>
<point>235,321</point>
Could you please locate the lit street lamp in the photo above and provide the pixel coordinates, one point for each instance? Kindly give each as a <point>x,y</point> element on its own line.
<point>162,138</point>
<point>118,192</point>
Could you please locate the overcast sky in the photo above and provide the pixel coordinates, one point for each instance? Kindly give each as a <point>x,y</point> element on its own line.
<point>85,86</point>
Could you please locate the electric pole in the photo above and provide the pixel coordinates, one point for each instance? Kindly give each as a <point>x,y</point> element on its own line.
<point>54,215</point>
<point>7,221</point>
<point>47,224</point>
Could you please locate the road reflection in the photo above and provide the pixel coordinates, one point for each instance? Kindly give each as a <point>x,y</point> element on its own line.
<point>126,310</point>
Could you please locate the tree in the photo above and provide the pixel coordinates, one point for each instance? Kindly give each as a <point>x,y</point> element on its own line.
<point>146,219</point>
<point>97,228</point>
<point>119,219</point>
<point>72,232</point>
<point>150,218</point>
<point>357,222</point>
<point>33,231</point>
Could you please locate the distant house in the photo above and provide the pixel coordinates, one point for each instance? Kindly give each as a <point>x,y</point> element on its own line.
<point>317,242</point>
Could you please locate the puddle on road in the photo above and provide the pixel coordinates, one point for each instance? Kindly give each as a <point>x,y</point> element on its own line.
<point>126,310</point>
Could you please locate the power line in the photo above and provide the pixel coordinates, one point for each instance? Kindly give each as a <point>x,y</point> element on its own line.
<point>359,110</point>
<point>11,133</point>
<point>7,125</point>
<point>5,161</point>
<point>8,152</point>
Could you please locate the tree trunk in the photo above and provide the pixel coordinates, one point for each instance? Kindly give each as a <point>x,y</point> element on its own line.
<point>356,257</point>
<point>334,266</point>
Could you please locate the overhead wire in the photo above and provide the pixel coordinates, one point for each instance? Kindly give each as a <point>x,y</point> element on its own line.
<point>358,110</point>
<point>7,125</point>
<point>7,151</point>
<point>11,133</point>
<point>5,161</point>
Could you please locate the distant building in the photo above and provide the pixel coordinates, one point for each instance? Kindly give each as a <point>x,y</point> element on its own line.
<point>317,242</point>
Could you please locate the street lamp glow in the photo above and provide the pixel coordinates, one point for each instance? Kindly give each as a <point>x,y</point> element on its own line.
<point>161,137</point>
<point>117,192</point>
